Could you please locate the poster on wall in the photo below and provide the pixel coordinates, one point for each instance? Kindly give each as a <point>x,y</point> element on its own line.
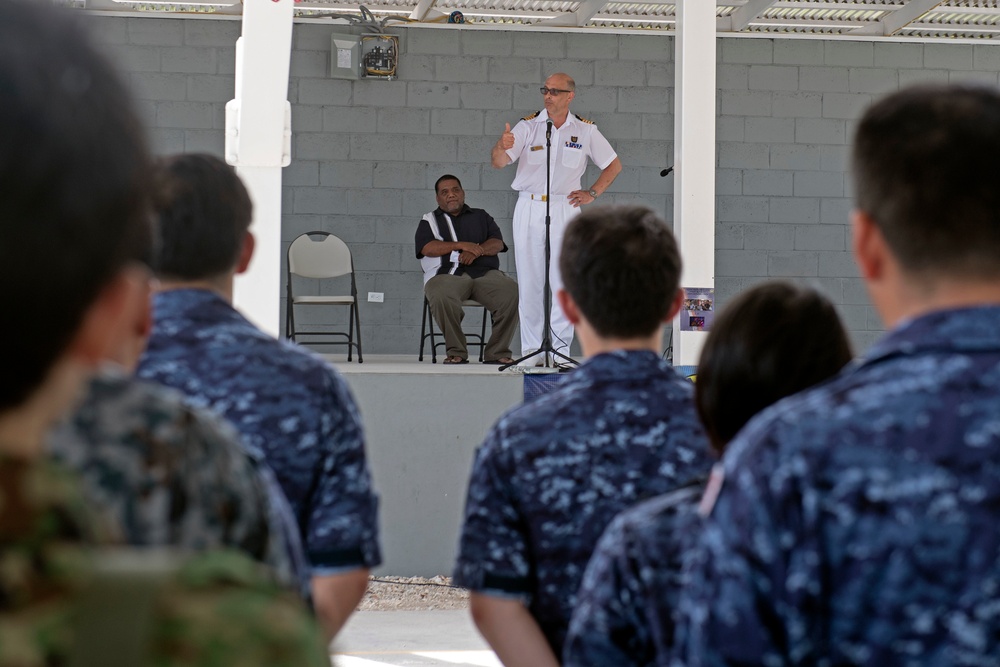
<point>698,310</point>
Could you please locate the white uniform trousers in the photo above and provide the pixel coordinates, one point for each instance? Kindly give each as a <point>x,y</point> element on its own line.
<point>529,256</point>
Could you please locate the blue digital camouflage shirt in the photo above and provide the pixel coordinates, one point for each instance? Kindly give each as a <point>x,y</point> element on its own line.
<point>553,473</point>
<point>624,610</point>
<point>858,522</point>
<point>288,403</point>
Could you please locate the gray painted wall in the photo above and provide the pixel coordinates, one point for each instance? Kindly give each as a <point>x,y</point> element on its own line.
<point>420,464</point>
<point>366,153</point>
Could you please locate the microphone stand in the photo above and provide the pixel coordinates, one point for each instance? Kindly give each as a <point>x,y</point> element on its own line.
<point>546,345</point>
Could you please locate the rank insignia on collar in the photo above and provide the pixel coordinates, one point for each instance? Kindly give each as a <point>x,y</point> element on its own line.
<point>573,139</point>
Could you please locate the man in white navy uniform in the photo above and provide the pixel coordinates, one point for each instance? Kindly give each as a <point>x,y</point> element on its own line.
<point>574,140</point>
<point>457,247</point>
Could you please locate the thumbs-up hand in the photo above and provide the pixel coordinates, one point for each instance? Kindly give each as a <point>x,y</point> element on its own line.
<point>507,138</point>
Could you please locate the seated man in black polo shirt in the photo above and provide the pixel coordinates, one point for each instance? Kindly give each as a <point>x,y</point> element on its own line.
<point>457,247</point>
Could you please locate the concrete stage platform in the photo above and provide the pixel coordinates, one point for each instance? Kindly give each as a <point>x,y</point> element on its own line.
<point>423,423</point>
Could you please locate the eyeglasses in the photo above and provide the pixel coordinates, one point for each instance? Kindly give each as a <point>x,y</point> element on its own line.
<point>555,92</point>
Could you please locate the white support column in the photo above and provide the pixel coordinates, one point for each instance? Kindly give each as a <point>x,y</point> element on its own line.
<point>258,140</point>
<point>694,158</point>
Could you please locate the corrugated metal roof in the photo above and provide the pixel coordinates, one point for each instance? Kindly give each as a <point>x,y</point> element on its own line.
<point>903,19</point>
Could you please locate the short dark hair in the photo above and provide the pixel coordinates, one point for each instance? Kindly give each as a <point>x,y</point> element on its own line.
<point>205,211</point>
<point>925,169</point>
<point>446,177</point>
<point>772,341</point>
<point>76,178</point>
<point>622,268</point>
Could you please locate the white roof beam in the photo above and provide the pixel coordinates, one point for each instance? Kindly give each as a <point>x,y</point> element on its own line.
<point>978,11</point>
<point>587,10</point>
<point>102,5</point>
<point>419,12</point>
<point>799,4</point>
<point>805,24</point>
<point>164,7</point>
<point>899,19</point>
<point>742,17</point>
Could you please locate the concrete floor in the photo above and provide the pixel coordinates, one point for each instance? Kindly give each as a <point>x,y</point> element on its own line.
<point>411,639</point>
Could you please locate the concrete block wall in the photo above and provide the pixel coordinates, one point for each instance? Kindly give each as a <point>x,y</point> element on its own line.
<point>787,110</point>
<point>180,72</point>
<point>366,153</point>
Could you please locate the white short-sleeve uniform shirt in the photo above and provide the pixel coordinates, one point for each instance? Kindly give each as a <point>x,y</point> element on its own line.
<point>572,144</point>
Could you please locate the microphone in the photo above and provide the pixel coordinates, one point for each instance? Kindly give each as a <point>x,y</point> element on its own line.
<point>666,171</point>
<point>548,129</point>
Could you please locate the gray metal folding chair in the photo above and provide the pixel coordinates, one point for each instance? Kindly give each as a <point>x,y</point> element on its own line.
<point>427,331</point>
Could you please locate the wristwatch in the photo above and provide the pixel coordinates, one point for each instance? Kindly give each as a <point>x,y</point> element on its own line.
<point>592,192</point>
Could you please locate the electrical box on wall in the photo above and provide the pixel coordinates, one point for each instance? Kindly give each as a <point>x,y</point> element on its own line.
<point>366,56</point>
<point>379,56</point>
<point>345,56</point>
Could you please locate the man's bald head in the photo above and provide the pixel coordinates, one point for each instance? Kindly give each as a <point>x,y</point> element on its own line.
<point>561,81</point>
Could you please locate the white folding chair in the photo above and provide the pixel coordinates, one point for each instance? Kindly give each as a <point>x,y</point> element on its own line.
<point>322,255</point>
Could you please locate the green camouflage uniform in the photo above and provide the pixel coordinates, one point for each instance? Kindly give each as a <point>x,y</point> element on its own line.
<point>171,475</point>
<point>211,609</point>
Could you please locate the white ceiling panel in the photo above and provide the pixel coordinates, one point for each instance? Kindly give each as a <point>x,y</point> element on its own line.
<point>900,19</point>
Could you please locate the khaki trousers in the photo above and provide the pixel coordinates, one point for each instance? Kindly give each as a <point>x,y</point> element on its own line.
<point>495,290</point>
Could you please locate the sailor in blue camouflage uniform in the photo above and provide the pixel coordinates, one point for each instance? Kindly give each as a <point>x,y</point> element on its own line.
<point>857,523</point>
<point>771,341</point>
<point>623,613</point>
<point>284,400</point>
<point>622,428</point>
